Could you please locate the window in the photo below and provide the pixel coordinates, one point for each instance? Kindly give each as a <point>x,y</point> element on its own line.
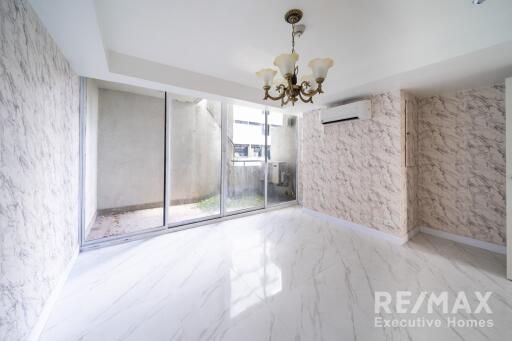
<point>241,150</point>
<point>257,150</point>
<point>154,161</point>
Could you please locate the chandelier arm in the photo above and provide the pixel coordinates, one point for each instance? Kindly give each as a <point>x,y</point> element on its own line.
<point>309,100</point>
<point>303,86</point>
<point>285,102</point>
<point>274,98</point>
<point>280,89</point>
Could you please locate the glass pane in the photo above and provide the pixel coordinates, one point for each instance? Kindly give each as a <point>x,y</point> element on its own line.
<point>124,159</point>
<point>195,159</point>
<point>282,157</point>
<point>245,158</point>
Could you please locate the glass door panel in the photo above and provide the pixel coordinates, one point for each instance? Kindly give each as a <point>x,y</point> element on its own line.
<point>245,158</point>
<point>123,159</point>
<point>195,159</point>
<point>282,157</point>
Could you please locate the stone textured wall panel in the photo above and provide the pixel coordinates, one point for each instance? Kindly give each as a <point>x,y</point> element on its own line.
<point>38,167</point>
<point>352,170</point>
<point>461,187</point>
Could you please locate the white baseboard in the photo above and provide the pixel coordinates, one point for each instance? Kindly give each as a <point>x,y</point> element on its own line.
<point>52,299</point>
<point>360,228</point>
<point>465,240</point>
<point>413,232</point>
<point>410,234</point>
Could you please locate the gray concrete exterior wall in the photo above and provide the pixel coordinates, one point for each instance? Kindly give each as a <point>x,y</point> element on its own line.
<point>130,149</point>
<point>195,150</point>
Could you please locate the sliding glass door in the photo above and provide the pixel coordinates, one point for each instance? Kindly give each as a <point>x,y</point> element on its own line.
<point>152,160</point>
<point>281,158</point>
<point>123,160</point>
<point>245,161</point>
<point>195,159</point>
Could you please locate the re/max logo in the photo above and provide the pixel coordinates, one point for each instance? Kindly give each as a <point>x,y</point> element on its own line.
<point>404,302</point>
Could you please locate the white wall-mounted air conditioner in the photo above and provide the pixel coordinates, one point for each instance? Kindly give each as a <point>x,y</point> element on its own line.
<point>351,111</point>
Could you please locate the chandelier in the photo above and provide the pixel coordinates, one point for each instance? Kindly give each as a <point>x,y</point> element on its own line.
<point>290,90</point>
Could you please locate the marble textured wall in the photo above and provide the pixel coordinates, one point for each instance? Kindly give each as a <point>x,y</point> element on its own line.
<point>437,162</point>
<point>461,187</point>
<point>352,170</point>
<point>409,135</point>
<point>38,167</point>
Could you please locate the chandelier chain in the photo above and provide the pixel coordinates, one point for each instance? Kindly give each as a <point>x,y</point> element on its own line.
<point>293,38</point>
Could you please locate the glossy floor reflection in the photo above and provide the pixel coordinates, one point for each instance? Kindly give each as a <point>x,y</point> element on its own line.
<point>281,275</point>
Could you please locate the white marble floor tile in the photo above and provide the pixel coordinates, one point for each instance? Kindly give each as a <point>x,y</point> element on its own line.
<point>280,275</point>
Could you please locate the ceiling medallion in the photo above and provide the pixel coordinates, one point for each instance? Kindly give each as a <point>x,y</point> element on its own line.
<point>289,90</point>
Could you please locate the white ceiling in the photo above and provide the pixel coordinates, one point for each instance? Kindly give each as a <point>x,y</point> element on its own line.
<point>216,46</point>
